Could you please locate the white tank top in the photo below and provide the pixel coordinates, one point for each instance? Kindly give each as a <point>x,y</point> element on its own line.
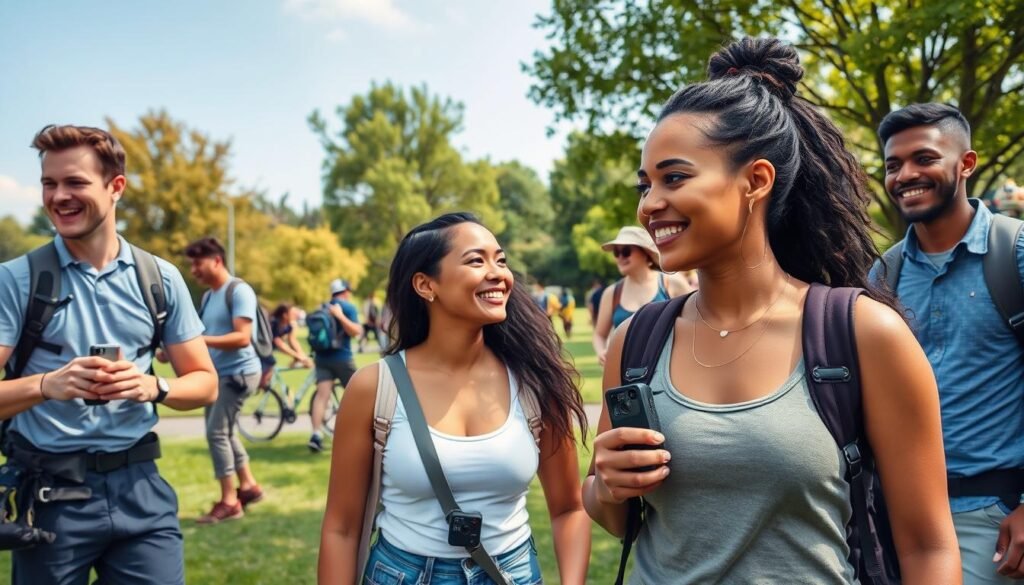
<point>489,474</point>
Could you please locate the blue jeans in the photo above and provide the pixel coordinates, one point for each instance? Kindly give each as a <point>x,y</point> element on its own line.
<point>390,565</point>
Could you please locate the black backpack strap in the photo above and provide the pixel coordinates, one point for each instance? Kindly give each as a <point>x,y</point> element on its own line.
<point>1002,272</point>
<point>892,263</point>
<point>229,296</point>
<point>43,301</point>
<point>616,294</point>
<point>645,338</point>
<point>151,284</point>
<point>833,377</point>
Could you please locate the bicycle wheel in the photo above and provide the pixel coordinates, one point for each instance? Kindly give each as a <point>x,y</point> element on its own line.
<point>332,413</point>
<point>262,415</point>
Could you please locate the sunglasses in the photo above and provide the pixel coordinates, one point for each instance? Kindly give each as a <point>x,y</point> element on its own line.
<point>622,252</point>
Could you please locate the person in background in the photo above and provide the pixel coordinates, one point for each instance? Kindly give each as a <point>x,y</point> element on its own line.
<point>371,322</point>
<point>230,327</point>
<point>641,283</point>
<point>282,326</point>
<point>566,310</point>
<point>334,364</point>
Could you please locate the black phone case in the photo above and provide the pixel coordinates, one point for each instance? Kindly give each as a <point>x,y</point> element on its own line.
<point>633,406</point>
<point>100,351</point>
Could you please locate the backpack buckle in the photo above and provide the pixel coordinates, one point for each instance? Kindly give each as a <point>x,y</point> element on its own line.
<point>1017,321</point>
<point>823,374</point>
<point>854,461</point>
<point>634,374</point>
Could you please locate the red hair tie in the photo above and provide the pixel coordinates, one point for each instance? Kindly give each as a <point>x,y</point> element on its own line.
<point>732,71</point>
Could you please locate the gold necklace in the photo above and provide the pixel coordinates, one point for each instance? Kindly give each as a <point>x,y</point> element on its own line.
<point>767,322</point>
<point>723,333</point>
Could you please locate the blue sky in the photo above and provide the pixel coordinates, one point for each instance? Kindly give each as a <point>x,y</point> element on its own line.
<point>252,72</point>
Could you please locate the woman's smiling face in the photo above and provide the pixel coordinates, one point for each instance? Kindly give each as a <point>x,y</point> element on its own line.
<point>691,197</point>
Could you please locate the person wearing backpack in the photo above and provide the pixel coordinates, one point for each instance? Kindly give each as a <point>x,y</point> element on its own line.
<point>230,312</point>
<point>774,427</point>
<point>959,273</point>
<point>331,331</point>
<point>78,428</point>
<point>477,361</point>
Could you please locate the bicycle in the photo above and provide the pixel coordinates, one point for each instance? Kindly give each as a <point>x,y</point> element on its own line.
<point>265,412</point>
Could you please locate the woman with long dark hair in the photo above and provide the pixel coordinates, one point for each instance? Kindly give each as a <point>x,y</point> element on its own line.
<point>475,345</point>
<point>746,182</point>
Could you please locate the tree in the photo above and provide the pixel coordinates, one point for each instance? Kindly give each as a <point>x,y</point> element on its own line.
<point>526,207</point>
<point>15,240</point>
<point>179,190</point>
<point>613,64</point>
<point>391,166</point>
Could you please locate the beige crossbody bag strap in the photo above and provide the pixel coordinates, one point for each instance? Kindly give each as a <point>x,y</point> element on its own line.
<point>383,413</point>
<point>531,410</point>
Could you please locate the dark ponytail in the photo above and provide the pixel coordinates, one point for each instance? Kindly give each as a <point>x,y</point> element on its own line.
<point>525,341</point>
<point>817,218</point>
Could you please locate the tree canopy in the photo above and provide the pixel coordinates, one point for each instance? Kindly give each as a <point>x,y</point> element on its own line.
<point>612,64</point>
<point>392,165</point>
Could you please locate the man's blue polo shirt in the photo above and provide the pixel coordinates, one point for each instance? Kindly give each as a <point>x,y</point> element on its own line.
<point>219,321</point>
<point>978,363</point>
<point>107,307</point>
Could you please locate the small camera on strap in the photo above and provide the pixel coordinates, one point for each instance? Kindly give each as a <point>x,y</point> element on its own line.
<point>464,528</point>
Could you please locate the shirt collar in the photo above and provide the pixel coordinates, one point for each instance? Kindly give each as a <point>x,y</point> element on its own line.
<point>124,252</point>
<point>975,239</point>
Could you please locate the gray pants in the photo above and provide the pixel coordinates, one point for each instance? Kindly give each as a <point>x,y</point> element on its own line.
<point>226,449</point>
<point>977,532</point>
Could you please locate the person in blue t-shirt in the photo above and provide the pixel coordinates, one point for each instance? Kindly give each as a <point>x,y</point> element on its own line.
<point>230,330</point>
<point>978,363</point>
<point>336,364</point>
<point>122,519</point>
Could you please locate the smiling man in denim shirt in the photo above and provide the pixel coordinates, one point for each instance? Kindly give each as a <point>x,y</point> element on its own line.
<point>978,362</point>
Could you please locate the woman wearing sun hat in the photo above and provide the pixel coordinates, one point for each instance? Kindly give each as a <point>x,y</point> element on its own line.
<point>642,282</point>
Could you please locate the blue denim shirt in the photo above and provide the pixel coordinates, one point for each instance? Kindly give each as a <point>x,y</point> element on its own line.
<point>978,363</point>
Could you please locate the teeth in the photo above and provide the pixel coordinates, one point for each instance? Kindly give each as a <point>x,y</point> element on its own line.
<point>67,211</point>
<point>667,231</point>
<point>913,192</point>
<point>493,294</point>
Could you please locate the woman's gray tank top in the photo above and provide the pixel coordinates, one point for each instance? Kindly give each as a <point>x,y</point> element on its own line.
<point>755,495</point>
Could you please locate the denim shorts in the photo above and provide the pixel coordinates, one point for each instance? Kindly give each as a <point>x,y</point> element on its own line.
<point>390,565</point>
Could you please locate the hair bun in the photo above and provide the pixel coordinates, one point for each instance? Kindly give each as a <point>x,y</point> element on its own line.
<point>769,60</point>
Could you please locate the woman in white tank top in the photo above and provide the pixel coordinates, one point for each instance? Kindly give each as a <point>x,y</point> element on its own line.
<point>750,185</point>
<point>474,344</point>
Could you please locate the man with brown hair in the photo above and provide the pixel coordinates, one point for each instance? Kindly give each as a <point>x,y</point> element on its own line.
<point>80,424</point>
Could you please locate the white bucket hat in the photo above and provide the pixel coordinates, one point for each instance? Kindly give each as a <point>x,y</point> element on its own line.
<point>636,236</point>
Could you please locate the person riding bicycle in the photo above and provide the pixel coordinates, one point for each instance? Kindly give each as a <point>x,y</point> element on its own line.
<point>282,327</point>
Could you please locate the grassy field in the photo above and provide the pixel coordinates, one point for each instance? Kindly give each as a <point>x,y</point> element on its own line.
<point>277,541</point>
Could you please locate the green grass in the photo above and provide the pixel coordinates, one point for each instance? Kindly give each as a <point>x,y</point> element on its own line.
<point>277,541</point>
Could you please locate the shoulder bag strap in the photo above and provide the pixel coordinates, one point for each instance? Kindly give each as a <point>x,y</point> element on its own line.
<point>1002,272</point>
<point>531,410</point>
<point>383,413</point>
<point>833,378</point>
<point>151,284</point>
<point>432,465</point>
<point>645,338</point>
<point>43,301</point>
<point>892,263</point>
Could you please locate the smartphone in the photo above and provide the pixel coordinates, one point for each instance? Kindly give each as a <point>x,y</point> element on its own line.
<point>108,351</point>
<point>633,406</point>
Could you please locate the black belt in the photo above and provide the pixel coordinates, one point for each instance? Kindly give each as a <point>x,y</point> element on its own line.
<point>72,466</point>
<point>1005,484</point>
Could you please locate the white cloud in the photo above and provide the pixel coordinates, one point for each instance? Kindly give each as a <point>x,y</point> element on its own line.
<point>337,35</point>
<point>381,13</point>
<point>20,201</point>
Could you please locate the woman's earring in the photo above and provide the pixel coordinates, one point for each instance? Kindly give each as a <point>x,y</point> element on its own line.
<point>430,299</point>
<point>750,206</point>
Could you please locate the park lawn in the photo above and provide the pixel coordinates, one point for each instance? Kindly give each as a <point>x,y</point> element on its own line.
<point>278,540</point>
<point>579,347</point>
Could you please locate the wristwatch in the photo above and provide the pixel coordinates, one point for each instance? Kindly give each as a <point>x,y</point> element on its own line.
<point>162,388</point>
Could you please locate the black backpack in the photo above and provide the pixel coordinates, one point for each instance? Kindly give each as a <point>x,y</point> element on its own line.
<point>264,341</point>
<point>833,377</point>
<point>45,298</point>
<point>1002,273</point>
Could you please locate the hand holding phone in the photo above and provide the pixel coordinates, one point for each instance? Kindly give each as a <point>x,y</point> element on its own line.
<point>632,406</point>
<point>107,351</point>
